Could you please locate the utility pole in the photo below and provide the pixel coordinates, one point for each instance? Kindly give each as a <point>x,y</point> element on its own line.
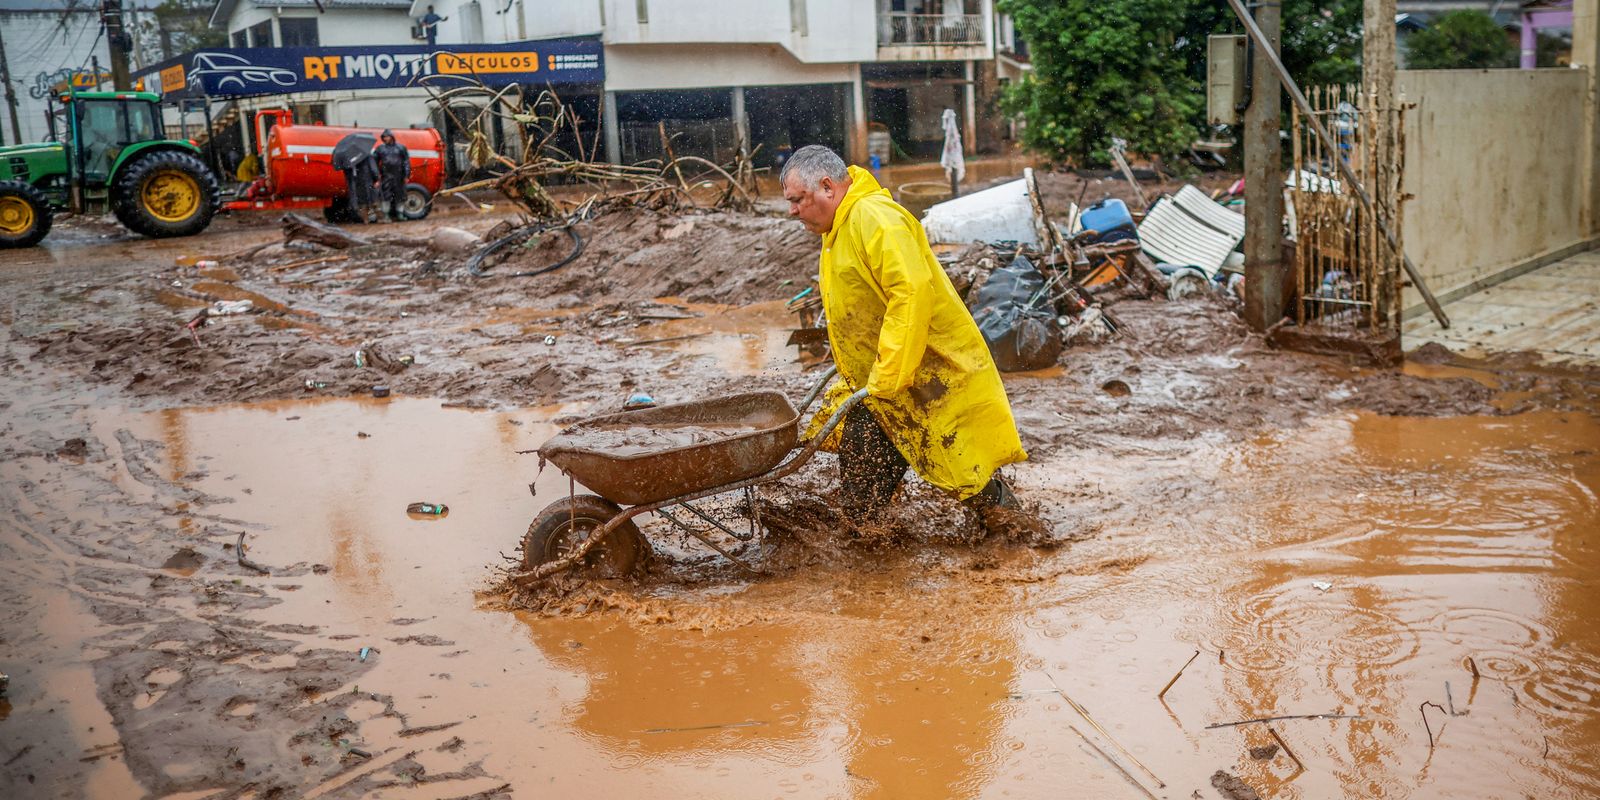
<point>1265,278</point>
<point>11,91</point>
<point>118,41</point>
<point>1378,99</point>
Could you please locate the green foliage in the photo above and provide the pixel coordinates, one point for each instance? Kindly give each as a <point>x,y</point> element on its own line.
<point>1461,40</point>
<point>1104,68</point>
<point>1321,40</point>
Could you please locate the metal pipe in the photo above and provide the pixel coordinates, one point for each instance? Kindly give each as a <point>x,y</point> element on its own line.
<point>1299,99</point>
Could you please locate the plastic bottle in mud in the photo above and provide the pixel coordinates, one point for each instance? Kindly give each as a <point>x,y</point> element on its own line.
<point>428,509</point>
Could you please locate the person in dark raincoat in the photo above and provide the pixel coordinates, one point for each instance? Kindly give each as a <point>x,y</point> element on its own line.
<point>394,170</point>
<point>360,176</point>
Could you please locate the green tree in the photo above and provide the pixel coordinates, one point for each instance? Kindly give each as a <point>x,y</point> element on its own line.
<point>1461,40</point>
<point>1104,68</point>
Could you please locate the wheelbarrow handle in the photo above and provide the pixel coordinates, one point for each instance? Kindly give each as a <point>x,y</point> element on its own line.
<point>838,416</point>
<point>816,391</point>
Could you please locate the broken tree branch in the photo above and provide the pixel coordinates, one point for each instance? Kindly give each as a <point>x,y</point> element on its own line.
<point>1286,750</point>
<point>1423,710</point>
<point>1175,678</point>
<point>1286,716</point>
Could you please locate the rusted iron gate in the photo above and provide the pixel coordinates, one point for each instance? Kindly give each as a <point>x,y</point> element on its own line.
<point>1348,276</point>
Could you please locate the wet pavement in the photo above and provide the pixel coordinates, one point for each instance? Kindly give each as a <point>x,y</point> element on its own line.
<point>1341,562</point>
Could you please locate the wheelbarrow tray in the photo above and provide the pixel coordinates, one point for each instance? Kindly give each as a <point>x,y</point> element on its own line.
<point>639,478</point>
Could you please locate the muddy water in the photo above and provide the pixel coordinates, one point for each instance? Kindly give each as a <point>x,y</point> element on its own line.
<point>940,673</point>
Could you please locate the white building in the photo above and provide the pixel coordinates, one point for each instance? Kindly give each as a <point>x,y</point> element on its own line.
<point>775,74</point>
<point>784,72</point>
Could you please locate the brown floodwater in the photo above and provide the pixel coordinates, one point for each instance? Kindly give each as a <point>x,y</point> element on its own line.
<point>1354,567</point>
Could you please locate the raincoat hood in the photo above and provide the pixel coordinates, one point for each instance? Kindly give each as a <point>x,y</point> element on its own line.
<point>387,134</point>
<point>899,329</point>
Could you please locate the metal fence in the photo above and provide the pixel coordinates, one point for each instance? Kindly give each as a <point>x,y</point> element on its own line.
<point>1348,275</point>
<point>896,28</point>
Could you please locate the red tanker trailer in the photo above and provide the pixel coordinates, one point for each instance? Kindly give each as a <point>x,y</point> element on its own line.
<point>297,167</point>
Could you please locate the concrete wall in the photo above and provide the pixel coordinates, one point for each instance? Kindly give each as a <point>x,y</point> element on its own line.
<point>1496,161</point>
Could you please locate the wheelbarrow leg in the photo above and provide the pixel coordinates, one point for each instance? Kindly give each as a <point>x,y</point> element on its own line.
<point>666,515</point>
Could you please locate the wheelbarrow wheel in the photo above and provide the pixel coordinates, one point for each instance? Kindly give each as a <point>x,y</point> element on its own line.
<point>565,524</point>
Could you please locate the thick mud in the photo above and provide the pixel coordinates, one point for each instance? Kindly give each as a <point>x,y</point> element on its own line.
<point>1330,540</point>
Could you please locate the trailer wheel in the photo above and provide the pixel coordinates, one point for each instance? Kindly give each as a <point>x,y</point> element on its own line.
<point>165,193</point>
<point>418,202</point>
<point>568,522</point>
<point>24,215</point>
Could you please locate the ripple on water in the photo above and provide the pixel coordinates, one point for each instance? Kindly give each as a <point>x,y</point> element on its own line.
<point>1277,629</point>
<point>1562,687</point>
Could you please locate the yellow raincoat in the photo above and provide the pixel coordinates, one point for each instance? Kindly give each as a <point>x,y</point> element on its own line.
<point>899,329</point>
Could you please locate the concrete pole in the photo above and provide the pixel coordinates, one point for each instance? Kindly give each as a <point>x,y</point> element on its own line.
<point>613,129</point>
<point>857,144</point>
<point>1377,83</point>
<point>1586,53</point>
<point>969,110</point>
<point>11,94</point>
<point>116,38</point>
<point>741,122</point>
<point>1265,279</point>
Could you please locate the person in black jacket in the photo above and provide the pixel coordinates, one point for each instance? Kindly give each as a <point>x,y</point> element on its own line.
<point>394,170</point>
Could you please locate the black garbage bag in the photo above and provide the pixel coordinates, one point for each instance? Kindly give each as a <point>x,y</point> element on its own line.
<point>1016,319</point>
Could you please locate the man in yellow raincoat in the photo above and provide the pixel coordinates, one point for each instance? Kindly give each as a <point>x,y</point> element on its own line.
<point>898,329</point>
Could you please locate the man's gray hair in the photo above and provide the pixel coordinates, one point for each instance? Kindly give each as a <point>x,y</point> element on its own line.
<point>811,164</point>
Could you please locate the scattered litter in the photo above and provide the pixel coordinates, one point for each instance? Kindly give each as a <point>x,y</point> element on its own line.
<point>1231,788</point>
<point>549,339</point>
<point>638,400</point>
<point>428,509</point>
<point>1000,214</point>
<point>363,435</point>
<point>1116,388</point>
<point>1016,319</point>
<point>408,359</point>
<point>1321,586</point>
<point>312,385</point>
<point>380,391</point>
<point>5,684</point>
<point>365,651</point>
<point>454,241</point>
<point>1264,753</point>
<point>1189,229</point>
<point>1187,282</point>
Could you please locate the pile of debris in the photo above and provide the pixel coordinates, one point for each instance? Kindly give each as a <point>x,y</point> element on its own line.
<point>1036,286</point>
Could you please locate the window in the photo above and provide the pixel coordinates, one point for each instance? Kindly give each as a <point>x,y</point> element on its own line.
<point>106,126</point>
<point>298,32</point>
<point>311,114</point>
<point>261,34</point>
<point>240,40</point>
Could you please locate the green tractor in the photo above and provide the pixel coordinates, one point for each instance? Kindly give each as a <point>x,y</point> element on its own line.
<point>107,151</point>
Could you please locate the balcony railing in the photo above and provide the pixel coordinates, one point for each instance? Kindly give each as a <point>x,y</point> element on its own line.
<point>899,29</point>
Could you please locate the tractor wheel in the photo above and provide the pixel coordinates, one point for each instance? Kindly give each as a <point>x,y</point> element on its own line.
<point>418,202</point>
<point>568,522</point>
<point>165,193</point>
<point>24,215</point>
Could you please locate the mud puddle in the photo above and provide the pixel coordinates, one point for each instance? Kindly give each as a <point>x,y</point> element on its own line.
<point>1352,567</point>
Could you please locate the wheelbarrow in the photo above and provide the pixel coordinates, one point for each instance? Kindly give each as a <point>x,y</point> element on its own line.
<point>660,460</point>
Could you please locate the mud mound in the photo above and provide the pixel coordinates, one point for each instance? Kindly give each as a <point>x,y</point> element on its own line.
<point>639,254</point>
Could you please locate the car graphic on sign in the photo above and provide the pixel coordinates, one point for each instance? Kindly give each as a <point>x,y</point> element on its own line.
<point>238,71</point>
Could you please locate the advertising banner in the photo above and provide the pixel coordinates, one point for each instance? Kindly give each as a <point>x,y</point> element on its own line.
<point>250,71</point>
